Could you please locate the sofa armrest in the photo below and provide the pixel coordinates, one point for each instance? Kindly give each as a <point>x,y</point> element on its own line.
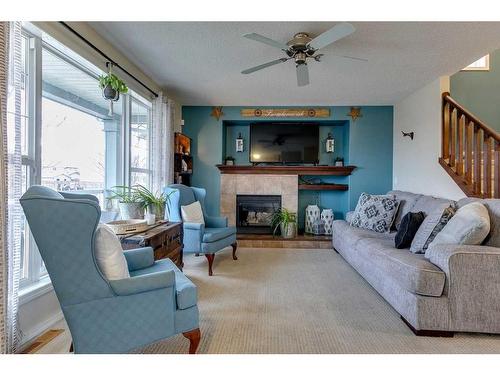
<point>140,258</point>
<point>473,285</point>
<point>143,283</point>
<point>348,216</point>
<point>215,221</point>
<point>193,236</point>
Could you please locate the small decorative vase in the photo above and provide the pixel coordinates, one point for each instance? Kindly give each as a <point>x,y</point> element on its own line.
<point>288,231</point>
<point>327,219</point>
<point>131,211</point>
<point>158,212</point>
<point>312,214</point>
<point>318,227</point>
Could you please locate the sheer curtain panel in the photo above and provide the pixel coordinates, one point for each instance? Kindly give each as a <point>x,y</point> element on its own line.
<point>163,142</point>
<point>10,227</point>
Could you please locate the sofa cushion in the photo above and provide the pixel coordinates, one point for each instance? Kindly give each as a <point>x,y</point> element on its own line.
<point>375,212</point>
<point>216,234</point>
<point>493,206</point>
<point>406,202</point>
<point>411,271</point>
<point>185,291</point>
<point>469,226</point>
<point>432,225</point>
<point>427,204</point>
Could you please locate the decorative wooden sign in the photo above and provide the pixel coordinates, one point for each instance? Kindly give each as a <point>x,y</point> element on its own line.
<point>285,112</point>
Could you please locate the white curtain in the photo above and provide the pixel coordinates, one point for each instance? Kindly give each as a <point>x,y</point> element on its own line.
<point>11,88</point>
<point>163,142</point>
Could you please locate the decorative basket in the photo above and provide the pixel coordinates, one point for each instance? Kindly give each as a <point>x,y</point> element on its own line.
<point>128,226</point>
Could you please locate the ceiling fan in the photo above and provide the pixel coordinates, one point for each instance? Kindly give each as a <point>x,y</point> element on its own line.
<point>301,48</point>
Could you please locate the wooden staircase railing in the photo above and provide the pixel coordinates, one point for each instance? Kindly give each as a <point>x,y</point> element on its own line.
<point>470,151</point>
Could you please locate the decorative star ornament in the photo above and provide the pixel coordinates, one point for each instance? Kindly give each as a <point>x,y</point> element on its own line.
<point>355,113</point>
<point>217,112</point>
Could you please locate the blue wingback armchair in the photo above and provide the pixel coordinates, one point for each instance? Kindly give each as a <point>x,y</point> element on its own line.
<point>205,239</point>
<point>107,316</point>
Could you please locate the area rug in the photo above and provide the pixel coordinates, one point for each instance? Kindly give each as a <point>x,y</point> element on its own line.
<point>300,301</point>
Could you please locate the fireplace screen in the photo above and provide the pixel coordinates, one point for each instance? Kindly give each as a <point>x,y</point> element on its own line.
<point>253,212</point>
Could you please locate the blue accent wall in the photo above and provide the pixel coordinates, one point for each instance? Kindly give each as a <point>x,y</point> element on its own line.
<point>365,143</point>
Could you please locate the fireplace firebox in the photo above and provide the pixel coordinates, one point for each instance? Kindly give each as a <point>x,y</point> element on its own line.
<point>253,212</point>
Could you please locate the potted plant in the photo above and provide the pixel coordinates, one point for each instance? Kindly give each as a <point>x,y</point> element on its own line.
<point>229,160</point>
<point>112,86</point>
<point>129,202</point>
<point>286,221</point>
<point>154,203</point>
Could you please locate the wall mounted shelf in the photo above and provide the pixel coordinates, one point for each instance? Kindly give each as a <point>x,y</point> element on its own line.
<point>338,187</point>
<point>300,170</point>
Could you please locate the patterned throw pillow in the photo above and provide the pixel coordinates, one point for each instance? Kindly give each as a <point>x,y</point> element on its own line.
<point>375,212</point>
<point>431,226</point>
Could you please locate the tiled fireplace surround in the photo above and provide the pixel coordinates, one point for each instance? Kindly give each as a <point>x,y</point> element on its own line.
<point>256,184</point>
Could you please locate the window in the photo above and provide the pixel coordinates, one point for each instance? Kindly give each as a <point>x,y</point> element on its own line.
<point>63,136</point>
<point>140,137</point>
<point>75,121</point>
<point>483,64</point>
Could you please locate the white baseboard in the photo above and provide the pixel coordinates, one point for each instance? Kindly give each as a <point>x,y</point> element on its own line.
<point>36,331</point>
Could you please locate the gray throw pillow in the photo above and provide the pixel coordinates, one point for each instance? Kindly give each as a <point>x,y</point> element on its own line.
<point>375,212</point>
<point>469,226</point>
<point>432,225</point>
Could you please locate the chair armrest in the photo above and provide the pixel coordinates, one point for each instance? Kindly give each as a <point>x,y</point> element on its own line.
<point>143,283</point>
<point>216,221</point>
<point>194,226</point>
<point>140,258</point>
<point>193,236</point>
<point>473,285</point>
<point>89,197</point>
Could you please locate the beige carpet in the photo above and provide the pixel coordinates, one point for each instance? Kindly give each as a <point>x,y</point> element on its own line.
<point>300,301</point>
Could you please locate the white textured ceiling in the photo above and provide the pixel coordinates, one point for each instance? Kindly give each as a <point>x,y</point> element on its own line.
<point>200,62</point>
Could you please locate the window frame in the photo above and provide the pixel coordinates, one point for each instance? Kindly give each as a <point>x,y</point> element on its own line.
<point>37,281</point>
<point>133,97</point>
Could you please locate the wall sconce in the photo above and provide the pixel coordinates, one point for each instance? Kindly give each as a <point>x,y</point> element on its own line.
<point>330,143</point>
<point>410,134</point>
<point>239,143</point>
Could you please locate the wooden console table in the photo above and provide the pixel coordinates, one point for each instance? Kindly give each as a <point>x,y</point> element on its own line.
<point>165,239</point>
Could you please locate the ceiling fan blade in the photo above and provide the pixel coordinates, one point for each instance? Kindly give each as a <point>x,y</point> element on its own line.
<point>335,33</point>
<point>263,66</point>
<point>351,58</point>
<point>266,40</point>
<point>302,75</point>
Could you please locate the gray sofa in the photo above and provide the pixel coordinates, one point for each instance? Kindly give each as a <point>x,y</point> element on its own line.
<point>457,289</point>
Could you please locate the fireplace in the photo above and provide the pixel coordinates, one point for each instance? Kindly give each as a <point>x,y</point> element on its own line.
<point>253,212</point>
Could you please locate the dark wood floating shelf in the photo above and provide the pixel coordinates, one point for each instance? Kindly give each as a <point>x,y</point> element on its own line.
<point>340,187</point>
<point>301,170</point>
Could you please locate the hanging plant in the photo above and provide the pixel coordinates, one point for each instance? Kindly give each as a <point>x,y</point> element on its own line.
<point>111,87</point>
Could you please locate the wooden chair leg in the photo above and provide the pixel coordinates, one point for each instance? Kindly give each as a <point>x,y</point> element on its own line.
<point>210,258</point>
<point>234,246</point>
<point>194,339</point>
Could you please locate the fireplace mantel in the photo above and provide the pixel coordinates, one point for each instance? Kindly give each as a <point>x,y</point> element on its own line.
<point>300,170</point>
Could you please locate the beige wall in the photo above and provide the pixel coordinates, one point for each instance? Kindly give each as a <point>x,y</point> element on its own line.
<point>416,166</point>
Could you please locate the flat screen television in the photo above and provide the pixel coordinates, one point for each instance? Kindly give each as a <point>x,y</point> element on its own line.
<point>274,142</point>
